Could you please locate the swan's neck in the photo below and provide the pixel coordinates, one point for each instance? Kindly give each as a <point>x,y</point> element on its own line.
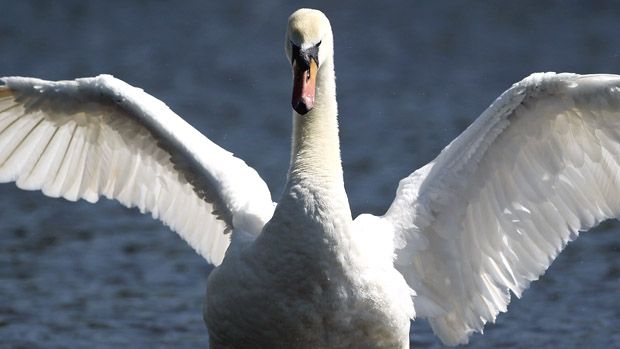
<point>315,177</point>
<point>312,220</point>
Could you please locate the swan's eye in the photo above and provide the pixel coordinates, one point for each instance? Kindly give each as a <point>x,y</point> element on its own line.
<point>295,50</point>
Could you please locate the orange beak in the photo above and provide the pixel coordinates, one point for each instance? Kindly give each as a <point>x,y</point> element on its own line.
<point>304,86</point>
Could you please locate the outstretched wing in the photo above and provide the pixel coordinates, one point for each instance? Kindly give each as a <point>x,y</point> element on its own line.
<point>494,209</point>
<point>100,136</point>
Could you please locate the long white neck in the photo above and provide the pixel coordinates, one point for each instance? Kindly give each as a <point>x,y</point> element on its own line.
<point>315,179</point>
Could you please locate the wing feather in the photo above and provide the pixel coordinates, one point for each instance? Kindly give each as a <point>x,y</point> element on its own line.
<point>495,208</point>
<point>99,136</point>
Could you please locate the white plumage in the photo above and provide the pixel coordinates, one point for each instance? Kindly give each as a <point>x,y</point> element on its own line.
<point>494,209</point>
<point>99,136</point>
<point>486,217</point>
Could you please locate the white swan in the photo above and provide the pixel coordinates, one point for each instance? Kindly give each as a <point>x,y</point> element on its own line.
<point>486,217</point>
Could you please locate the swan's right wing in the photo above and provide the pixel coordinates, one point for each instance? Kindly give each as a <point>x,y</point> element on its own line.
<point>99,136</point>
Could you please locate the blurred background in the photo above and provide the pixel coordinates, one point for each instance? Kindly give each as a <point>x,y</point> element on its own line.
<point>411,76</point>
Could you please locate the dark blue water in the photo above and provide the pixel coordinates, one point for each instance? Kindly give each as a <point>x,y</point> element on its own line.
<point>411,76</point>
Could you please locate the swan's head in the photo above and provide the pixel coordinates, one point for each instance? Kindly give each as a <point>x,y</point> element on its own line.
<point>308,44</point>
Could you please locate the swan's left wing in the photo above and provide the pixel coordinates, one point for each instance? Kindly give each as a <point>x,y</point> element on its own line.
<point>494,209</point>
<point>94,137</point>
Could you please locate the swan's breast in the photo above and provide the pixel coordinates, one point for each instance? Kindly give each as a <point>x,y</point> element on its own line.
<point>284,298</point>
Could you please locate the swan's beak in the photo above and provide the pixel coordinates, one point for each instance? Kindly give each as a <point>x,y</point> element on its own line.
<point>304,85</point>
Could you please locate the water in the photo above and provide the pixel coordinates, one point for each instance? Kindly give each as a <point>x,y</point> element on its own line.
<point>411,76</point>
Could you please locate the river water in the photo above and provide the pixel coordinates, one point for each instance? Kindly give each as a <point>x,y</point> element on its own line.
<point>411,77</point>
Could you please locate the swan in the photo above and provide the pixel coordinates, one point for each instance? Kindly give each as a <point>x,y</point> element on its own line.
<point>479,222</point>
